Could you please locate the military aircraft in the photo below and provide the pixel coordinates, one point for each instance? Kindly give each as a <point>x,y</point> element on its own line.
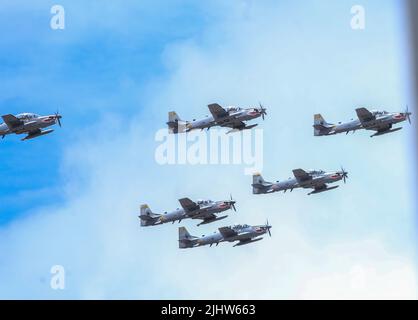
<point>230,117</point>
<point>28,123</point>
<point>244,234</point>
<point>204,210</point>
<point>312,179</point>
<point>379,121</point>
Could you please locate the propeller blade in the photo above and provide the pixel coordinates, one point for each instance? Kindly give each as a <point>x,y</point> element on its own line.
<point>58,117</point>
<point>408,114</point>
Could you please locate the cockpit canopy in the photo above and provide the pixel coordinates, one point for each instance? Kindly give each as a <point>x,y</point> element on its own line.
<point>316,172</point>
<point>379,113</point>
<point>27,116</point>
<point>204,201</point>
<point>240,226</point>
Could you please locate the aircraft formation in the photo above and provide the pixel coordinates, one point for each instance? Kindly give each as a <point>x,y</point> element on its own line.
<point>234,118</point>
<point>317,180</point>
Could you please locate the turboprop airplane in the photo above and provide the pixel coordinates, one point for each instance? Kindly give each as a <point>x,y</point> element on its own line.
<point>28,123</point>
<point>230,117</point>
<point>244,234</point>
<point>380,121</point>
<point>204,210</point>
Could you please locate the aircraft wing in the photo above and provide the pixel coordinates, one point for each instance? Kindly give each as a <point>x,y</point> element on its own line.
<point>188,205</point>
<point>11,121</point>
<point>217,111</point>
<point>364,115</point>
<point>234,124</point>
<point>319,187</point>
<point>301,175</point>
<point>227,232</point>
<point>205,216</point>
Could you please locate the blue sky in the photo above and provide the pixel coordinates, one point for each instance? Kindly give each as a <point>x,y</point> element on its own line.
<point>72,198</point>
<point>93,67</point>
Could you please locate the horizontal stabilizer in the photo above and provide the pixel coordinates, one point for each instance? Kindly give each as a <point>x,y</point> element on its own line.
<point>261,185</point>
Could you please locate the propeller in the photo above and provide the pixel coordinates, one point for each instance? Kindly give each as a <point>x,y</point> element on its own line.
<point>408,114</point>
<point>268,227</point>
<point>344,174</point>
<point>58,117</point>
<point>262,110</point>
<point>232,203</point>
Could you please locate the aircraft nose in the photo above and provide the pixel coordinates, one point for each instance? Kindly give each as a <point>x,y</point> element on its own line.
<point>343,174</point>
<point>231,204</point>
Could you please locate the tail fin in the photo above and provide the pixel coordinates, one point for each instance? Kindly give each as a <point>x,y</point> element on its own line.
<point>145,210</point>
<point>174,122</point>
<point>173,117</point>
<point>148,218</point>
<point>186,240</point>
<point>259,183</point>
<point>321,126</point>
<point>184,234</point>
